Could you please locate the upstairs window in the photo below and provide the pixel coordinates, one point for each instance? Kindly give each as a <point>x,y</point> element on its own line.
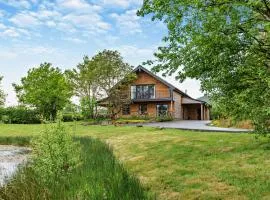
<point>143,92</point>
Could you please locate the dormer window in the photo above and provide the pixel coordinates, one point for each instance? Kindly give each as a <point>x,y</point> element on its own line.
<point>143,92</point>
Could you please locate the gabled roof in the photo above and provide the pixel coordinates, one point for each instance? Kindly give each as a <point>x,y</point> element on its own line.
<point>141,68</point>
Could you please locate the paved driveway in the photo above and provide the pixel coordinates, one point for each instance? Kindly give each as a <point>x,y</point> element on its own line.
<point>193,125</point>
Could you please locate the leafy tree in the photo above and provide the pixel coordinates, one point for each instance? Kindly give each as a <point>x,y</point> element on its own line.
<point>223,43</point>
<point>44,88</point>
<point>2,94</point>
<point>114,76</point>
<point>83,80</point>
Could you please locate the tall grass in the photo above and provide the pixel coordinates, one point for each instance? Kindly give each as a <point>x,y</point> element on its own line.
<point>16,140</point>
<point>100,176</point>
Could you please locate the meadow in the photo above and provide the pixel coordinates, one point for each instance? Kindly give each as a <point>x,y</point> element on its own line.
<point>173,164</point>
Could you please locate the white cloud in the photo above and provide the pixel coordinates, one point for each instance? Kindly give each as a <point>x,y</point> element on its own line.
<point>90,22</point>
<point>21,4</point>
<point>2,14</point>
<point>75,40</point>
<point>123,3</point>
<point>45,14</point>
<point>135,55</point>
<point>7,54</point>
<point>128,22</point>
<point>10,32</point>
<point>2,26</point>
<point>50,23</point>
<point>25,20</point>
<point>74,4</point>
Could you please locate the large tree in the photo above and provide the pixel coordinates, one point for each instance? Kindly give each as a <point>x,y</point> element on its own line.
<point>44,88</point>
<point>223,43</point>
<point>113,78</point>
<point>84,82</point>
<point>2,94</point>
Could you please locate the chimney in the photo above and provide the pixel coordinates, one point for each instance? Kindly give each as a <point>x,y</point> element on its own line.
<point>186,91</point>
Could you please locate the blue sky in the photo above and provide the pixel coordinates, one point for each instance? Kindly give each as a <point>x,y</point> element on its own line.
<point>63,31</point>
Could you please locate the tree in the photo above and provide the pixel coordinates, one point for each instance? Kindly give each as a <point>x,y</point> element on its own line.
<point>83,79</point>
<point>113,78</point>
<point>2,94</point>
<point>223,43</point>
<point>46,89</point>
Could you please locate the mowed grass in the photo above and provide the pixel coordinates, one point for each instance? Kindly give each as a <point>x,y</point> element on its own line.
<point>178,164</point>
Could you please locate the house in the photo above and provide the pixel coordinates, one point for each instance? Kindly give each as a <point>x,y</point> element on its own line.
<point>152,96</point>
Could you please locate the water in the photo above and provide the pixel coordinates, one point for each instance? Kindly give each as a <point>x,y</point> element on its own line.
<point>10,158</point>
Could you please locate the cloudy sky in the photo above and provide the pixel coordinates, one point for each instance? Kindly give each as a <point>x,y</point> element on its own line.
<point>63,31</point>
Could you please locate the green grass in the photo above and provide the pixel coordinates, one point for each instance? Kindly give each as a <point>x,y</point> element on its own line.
<point>100,176</point>
<point>178,164</point>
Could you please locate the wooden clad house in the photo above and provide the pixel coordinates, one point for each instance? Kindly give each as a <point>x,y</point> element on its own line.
<point>152,96</point>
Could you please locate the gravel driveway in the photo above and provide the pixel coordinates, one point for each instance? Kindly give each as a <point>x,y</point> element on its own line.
<point>194,125</point>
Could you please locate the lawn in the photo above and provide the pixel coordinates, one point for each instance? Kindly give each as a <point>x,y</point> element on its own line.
<point>177,164</point>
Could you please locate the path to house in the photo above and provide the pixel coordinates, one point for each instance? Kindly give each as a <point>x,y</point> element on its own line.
<point>194,125</point>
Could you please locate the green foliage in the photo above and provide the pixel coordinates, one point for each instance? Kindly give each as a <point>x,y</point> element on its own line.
<point>55,155</point>
<point>223,43</point>
<point>2,94</point>
<point>113,78</point>
<point>164,118</point>
<point>19,115</point>
<point>84,82</point>
<point>88,107</point>
<point>46,89</point>
<point>70,117</point>
<point>100,176</point>
<point>18,140</point>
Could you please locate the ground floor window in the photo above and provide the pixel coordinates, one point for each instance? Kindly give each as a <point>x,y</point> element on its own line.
<point>126,109</point>
<point>143,109</point>
<point>162,109</point>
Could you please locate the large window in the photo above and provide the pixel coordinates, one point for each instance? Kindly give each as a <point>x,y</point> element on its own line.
<point>143,92</point>
<point>143,109</point>
<point>162,109</point>
<point>126,109</point>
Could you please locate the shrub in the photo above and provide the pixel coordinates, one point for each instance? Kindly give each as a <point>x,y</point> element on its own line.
<point>164,118</point>
<point>70,117</point>
<point>19,115</point>
<point>55,155</point>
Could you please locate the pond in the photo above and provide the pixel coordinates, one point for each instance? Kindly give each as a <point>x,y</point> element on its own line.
<point>10,158</point>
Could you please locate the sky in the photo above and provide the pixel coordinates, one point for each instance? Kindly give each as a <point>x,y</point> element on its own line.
<point>61,32</point>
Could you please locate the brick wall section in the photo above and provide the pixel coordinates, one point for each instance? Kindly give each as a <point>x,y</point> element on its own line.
<point>177,111</point>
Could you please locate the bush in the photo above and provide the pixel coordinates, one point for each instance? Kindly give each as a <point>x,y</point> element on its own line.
<point>19,115</point>
<point>70,117</point>
<point>55,155</point>
<point>164,118</point>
